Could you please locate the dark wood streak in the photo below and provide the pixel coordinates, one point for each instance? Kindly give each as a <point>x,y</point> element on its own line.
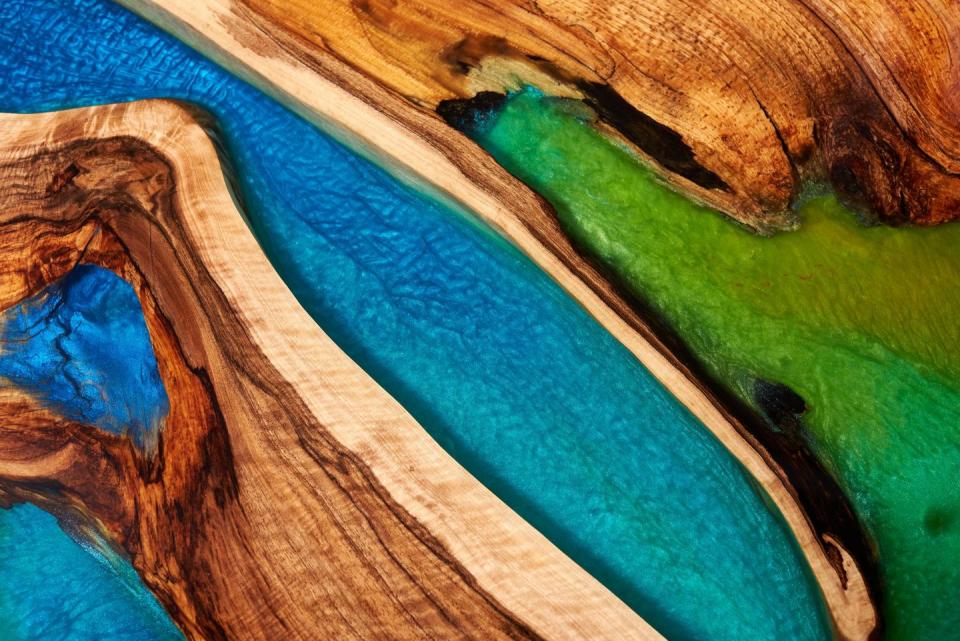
<point>665,145</point>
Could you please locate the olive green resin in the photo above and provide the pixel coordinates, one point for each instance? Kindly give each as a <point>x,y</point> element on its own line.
<point>862,322</point>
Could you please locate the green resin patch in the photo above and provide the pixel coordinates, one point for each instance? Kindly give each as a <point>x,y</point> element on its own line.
<point>862,322</point>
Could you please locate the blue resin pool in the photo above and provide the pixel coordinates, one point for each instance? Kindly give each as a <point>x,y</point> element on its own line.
<point>503,369</point>
<point>52,589</point>
<point>81,346</point>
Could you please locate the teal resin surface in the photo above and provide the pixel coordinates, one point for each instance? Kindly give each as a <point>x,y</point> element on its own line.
<point>509,375</point>
<point>81,346</point>
<point>53,589</point>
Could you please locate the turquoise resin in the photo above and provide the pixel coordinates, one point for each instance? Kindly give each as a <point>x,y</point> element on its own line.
<point>52,589</point>
<point>504,370</point>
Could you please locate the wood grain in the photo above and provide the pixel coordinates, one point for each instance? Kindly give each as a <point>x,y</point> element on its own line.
<point>289,497</point>
<point>735,101</point>
<point>362,92</point>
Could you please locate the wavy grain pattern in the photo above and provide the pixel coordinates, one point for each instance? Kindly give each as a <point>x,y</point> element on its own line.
<point>289,497</point>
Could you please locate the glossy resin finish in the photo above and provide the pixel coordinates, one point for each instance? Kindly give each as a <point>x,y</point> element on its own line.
<point>843,334</point>
<point>509,375</point>
<point>55,589</point>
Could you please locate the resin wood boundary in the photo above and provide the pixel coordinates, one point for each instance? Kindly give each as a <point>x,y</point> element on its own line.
<point>289,496</point>
<point>413,141</point>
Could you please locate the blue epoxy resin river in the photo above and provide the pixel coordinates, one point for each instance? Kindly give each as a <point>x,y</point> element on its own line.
<point>504,370</point>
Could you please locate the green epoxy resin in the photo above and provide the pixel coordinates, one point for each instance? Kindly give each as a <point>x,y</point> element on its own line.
<point>862,322</point>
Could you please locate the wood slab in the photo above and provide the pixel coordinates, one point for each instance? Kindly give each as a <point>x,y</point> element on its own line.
<point>289,496</point>
<point>735,103</point>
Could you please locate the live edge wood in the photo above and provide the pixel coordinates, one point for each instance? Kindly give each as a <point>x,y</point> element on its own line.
<point>290,497</point>
<point>369,73</point>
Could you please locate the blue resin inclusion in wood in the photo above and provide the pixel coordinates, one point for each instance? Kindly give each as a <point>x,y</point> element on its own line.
<point>81,346</point>
<point>505,371</point>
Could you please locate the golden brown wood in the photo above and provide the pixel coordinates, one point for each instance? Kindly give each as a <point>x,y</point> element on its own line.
<point>362,89</point>
<point>736,100</point>
<point>289,497</point>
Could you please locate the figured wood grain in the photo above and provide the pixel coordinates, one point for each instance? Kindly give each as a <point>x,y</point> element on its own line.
<point>289,496</point>
<point>355,97</point>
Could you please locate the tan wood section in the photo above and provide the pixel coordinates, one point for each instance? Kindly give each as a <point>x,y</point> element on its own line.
<point>745,100</point>
<point>289,496</point>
